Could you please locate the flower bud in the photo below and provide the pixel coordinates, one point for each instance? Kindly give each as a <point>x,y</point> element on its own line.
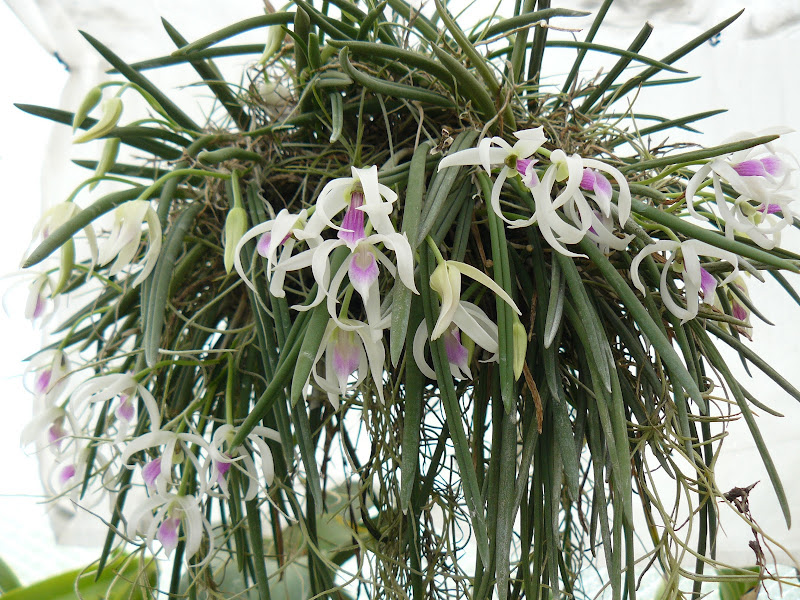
<point>274,94</point>
<point>446,282</point>
<point>91,100</point>
<point>327,53</point>
<point>275,37</point>
<point>235,228</point>
<point>107,160</point>
<point>67,263</point>
<point>112,111</point>
<point>520,338</point>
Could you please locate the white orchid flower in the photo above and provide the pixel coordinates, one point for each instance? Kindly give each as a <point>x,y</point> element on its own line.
<point>361,195</point>
<point>219,460</point>
<point>276,236</point>
<point>50,370</point>
<point>42,303</point>
<point>764,178</point>
<point>172,513</point>
<point>175,444</point>
<point>349,350</point>
<point>496,151</point>
<point>555,230</point>
<point>581,175</point>
<point>50,421</point>
<point>686,258</point>
<point>125,237</point>
<point>446,281</point>
<point>362,270</point>
<point>58,215</point>
<point>472,322</point>
<point>125,387</point>
<point>65,475</point>
<point>361,267</point>
<point>602,231</point>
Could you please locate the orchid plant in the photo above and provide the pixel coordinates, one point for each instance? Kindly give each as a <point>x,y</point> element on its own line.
<point>484,307</point>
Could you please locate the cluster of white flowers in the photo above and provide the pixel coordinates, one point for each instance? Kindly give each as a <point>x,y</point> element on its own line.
<point>573,199</point>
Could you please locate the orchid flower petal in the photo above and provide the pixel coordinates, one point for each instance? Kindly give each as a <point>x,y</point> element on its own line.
<point>484,279</point>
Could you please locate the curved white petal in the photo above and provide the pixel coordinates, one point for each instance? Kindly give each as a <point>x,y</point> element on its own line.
<point>154,236</point>
<point>666,297</point>
<point>659,246</point>
<point>470,156</point>
<point>477,325</point>
<point>446,281</point>
<point>420,337</point>
<point>148,440</point>
<point>624,198</point>
<point>376,357</point>
<point>398,243</point>
<point>484,279</point>
<point>691,191</point>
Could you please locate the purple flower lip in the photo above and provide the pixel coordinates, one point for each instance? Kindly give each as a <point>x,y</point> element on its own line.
<point>759,167</point>
<point>42,381</point>
<point>353,222</point>
<point>346,355</point>
<point>66,474</point>
<point>168,533</point>
<point>526,171</point>
<point>456,352</point>
<point>707,284</point>
<point>222,468</point>
<point>56,434</point>
<point>125,409</point>
<point>770,209</point>
<point>151,471</point>
<point>592,181</point>
<point>363,269</point>
<point>739,311</point>
<point>38,310</point>
<point>265,241</point>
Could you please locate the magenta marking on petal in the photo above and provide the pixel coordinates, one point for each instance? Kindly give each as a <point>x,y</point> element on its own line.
<point>262,247</point>
<point>739,311</point>
<point>750,168</point>
<point>602,187</point>
<point>770,209</point>
<point>457,354</point>
<point>363,268</point>
<point>42,381</point>
<point>707,284</point>
<point>125,410</point>
<point>527,172</point>
<point>168,533</point>
<point>41,304</point>
<point>353,223</point>
<point>151,471</point>
<point>66,474</point>
<point>222,469</point>
<point>588,180</point>
<point>523,164</point>
<point>772,164</point>
<point>346,355</point>
<point>55,434</point>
